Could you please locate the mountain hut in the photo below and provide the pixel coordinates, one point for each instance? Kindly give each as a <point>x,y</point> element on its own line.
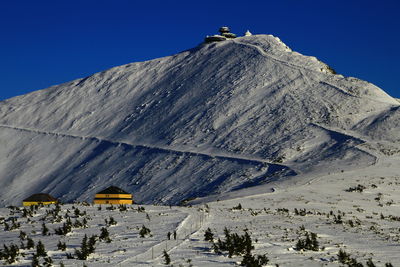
<point>224,29</point>
<point>225,34</point>
<point>113,195</point>
<point>40,198</point>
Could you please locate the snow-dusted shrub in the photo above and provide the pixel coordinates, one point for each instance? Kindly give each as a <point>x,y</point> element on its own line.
<point>167,258</point>
<point>40,250</point>
<point>234,244</point>
<point>250,260</point>
<point>238,207</point>
<point>45,230</point>
<point>359,188</point>
<point>310,242</point>
<point>105,235</point>
<point>29,243</point>
<point>144,231</point>
<point>87,247</point>
<point>208,235</point>
<point>61,246</point>
<point>10,254</point>
<point>110,221</point>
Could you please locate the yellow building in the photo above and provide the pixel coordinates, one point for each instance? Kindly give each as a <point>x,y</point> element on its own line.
<point>40,198</point>
<point>113,195</point>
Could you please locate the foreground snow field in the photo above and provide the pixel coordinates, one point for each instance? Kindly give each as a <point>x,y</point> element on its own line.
<point>364,223</point>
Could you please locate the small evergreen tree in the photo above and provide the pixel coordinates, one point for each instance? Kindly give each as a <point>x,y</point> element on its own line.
<point>83,253</point>
<point>309,243</point>
<point>48,261</point>
<point>30,243</point>
<point>45,230</point>
<point>69,256</point>
<point>343,257</point>
<point>40,250</point>
<point>10,254</point>
<point>14,224</point>
<point>104,235</point>
<point>35,261</point>
<point>84,222</point>
<point>77,212</point>
<point>208,235</point>
<point>91,244</point>
<point>22,235</point>
<point>144,231</point>
<point>110,222</point>
<point>370,263</point>
<point>61,246</point>
<point>254,261</point>
<point>167,259</point>
<point>238,207</point>
<point>234,244</point>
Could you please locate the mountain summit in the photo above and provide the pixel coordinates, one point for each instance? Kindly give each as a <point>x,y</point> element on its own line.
<point>220,117</point>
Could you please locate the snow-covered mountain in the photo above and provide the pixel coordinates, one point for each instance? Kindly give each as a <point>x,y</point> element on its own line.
<point>220,117</point>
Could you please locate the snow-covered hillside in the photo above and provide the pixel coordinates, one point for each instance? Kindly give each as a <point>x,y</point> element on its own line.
<point>216,118</point>
<point>353,211</point>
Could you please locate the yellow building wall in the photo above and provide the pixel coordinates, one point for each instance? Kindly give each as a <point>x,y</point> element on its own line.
<point>113,201</point>
<point>28,203</point>
<point>113,196</point>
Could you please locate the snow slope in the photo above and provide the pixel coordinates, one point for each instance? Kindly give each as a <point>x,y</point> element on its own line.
<point>216,118</point>
<point>367,228</point>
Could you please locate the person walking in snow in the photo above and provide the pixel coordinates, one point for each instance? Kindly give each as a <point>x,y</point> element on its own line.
<point>169,235</point>
<point>175,235</point>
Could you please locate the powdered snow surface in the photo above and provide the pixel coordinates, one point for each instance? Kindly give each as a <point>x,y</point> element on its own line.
<point>208,121</point>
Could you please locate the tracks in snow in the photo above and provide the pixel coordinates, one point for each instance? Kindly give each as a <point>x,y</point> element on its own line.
<point>276,59</point>
<point>163,149</point>
<point>188,227</point>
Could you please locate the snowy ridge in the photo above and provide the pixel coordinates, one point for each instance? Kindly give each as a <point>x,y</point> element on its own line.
<point>216,118</point>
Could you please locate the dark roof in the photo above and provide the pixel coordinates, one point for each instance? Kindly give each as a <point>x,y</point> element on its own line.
<point>41,197</point>
<point>113,190</point>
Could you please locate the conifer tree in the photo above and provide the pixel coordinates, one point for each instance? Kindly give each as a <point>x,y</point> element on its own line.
<point>61,246</point>
<point>167,259</point>
<point>370,263</point>
<point>35,261</point>
<point>144,231</point>
<point>30,243</point>
<point>40,250</point>
<point>82,254</point>
<point>48,261</point>
<point>208,235</point>
<point>92,243</point>
<point>104,235</point>
<point>22,235</point>
<point>45,230</point>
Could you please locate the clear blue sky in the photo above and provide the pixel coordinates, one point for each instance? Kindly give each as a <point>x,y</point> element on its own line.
<point>43,43</point>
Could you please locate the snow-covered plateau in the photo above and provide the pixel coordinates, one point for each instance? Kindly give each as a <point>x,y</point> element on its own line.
<point>244,121</point>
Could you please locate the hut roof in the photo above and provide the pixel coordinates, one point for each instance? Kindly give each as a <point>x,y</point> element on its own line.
<point>113,190</point>
<point>41,197</point>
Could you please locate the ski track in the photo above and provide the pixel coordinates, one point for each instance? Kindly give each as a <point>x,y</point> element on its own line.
<point>264,53</point>
<point>188,227</point>
<point>166,149</point>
